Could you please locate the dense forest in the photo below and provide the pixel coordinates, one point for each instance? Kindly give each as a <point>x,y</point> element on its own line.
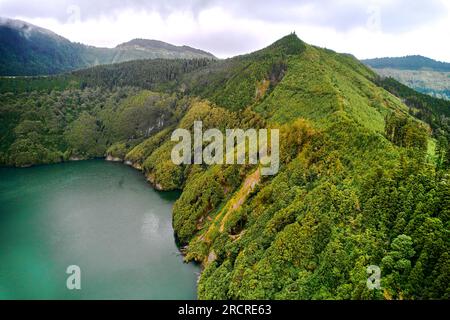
<point>435,112</point>
<point>363,180</point>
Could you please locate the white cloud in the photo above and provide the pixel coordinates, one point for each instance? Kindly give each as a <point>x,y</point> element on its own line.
<point>380,28</point>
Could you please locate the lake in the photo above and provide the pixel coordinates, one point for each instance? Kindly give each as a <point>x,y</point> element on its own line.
<point>100,216</point>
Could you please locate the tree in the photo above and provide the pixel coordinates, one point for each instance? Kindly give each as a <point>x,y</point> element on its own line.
<point>396,266</point>
<point>83,136</point>
<point>441,152</point>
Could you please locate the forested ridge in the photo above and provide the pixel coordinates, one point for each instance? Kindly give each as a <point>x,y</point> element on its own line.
<point>414,62</point>
<point>363,180</point>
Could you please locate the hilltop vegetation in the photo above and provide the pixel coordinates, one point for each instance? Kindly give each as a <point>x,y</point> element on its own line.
<point>362,181</point>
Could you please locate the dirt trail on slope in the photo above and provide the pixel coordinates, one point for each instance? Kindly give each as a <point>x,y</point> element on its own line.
<point>236,202</point>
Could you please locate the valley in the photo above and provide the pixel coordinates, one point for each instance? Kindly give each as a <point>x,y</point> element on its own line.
<point>363,177</point>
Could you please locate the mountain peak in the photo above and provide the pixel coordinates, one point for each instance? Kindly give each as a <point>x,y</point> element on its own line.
<point>144,43</point>
<point>289,44</point>
<point>150,44</point>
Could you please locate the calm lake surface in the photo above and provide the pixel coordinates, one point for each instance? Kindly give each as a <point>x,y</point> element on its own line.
<point>100,216</point>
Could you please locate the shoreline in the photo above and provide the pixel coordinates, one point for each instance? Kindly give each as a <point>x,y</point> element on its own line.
<point>135,166</point>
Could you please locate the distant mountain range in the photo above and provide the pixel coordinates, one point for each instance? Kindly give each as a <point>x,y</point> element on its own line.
<point>415,62</point>
<point>420,73</point>
<point>27,50</point>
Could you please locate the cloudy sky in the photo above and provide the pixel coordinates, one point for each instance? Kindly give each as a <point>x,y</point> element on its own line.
<point>228,27</point>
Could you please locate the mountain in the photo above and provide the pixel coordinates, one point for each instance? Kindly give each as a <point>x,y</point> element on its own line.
<point>416,62</point>
<point>27,50</point>
<point>420,73</point>
<point>362,181</point>
<point>154,49</point>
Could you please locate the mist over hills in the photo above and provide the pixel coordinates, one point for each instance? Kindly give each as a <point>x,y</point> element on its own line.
<point>27,50</point>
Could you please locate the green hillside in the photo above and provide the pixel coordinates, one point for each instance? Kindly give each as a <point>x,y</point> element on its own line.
<point>362,181</point>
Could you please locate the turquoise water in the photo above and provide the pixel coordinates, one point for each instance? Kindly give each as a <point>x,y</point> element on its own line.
<point>100,216</point>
